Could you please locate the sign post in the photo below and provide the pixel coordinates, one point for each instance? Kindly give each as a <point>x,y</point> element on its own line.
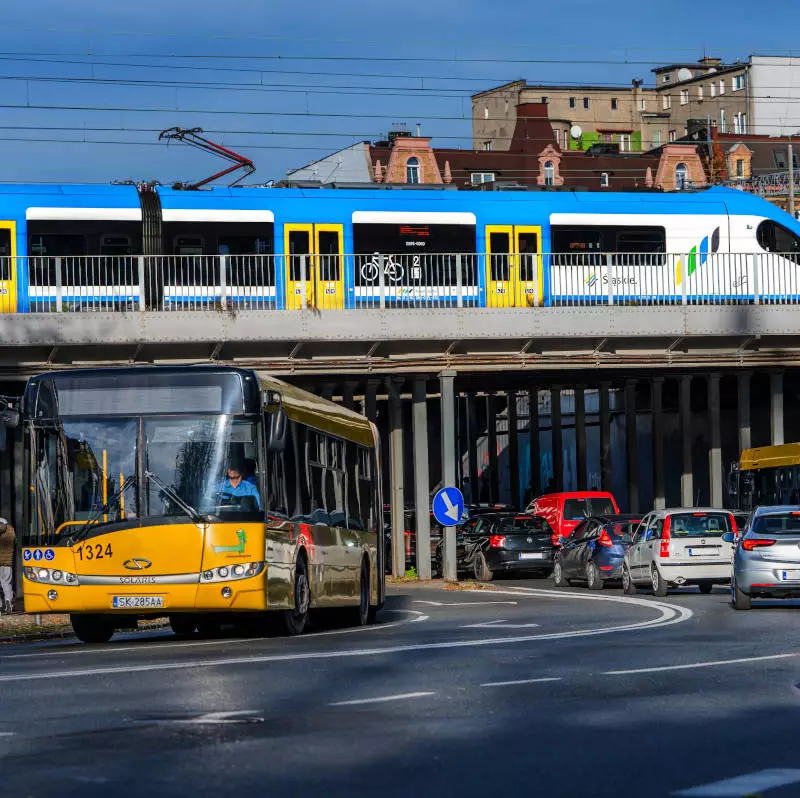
<point>448,509</point>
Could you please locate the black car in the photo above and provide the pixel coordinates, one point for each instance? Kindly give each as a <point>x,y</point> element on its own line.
<point>593,552</point>
<point>507,543</point>
<point>476,513</point>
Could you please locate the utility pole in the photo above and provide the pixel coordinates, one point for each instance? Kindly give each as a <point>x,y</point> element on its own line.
<point>791,180</point>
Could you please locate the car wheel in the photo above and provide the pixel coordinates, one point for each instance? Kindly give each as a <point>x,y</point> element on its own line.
<point>660,585</point>
<point>295,620</point>
<point>593,579</point>
<point>558,574</point>
<point>705,587</point>
<point>628,585</point>
<point>92,628</point>
<point>482,571</point>
<point>739,599</point>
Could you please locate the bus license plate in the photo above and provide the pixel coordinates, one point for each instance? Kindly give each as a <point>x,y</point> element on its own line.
<point>137,602</point>
<point>536,555</point>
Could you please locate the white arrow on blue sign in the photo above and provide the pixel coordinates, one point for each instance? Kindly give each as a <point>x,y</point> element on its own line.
<point>448,506</point>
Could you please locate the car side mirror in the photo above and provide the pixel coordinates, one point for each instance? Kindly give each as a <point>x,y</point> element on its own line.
<point>729,537</point>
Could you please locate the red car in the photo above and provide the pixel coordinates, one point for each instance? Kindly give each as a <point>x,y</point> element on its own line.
<point>564,511</point>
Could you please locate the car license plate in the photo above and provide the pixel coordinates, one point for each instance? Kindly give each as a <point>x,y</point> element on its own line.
<point>709,551</point>
<point>137,602</point>
<point>789,576</point>
<point>533,555</point>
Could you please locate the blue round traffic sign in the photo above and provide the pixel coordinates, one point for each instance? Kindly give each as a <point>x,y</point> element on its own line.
<point>448,506</point>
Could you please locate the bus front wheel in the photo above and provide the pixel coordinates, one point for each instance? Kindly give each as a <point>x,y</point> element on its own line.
<point>366,613</point>
<point>92,628</point>
<point>296,619</point>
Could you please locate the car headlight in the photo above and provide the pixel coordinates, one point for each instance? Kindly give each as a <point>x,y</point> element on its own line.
<point>47,576</point>
<point>238,571</point>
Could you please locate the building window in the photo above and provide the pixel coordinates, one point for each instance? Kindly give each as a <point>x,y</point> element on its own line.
<point>571,102</point>
<point>780,159</point>
<point>684,96</point>
<point>624,142</point>
<point>666,77</point>
<point>643,104</point>
<point>666,101</point>
<point>604,179</point>
<point>485,111</point>
<point>740,167</point>
<point>607,138</point>
<point>738,82</point>
<point>586,103</point>
<point>712,88</point>
<point>672,135</point>
<point>613,103</point>
<point>722,87</point>
<point>477,178</point>
<point>412,170</point>
<point>723,124</point>
<point>487,146</point>
<point>544,100</point>
<point>565,139</point>
<point>549,173</point>
<point>681,176</point>
<point>699,92</point>
<point>556,134</point>
<point>657,138</point>
<point>740,122</point>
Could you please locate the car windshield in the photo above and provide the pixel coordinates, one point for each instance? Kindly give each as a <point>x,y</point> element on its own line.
<point>577,509</point>
<point>777,524</point>
<point>531,524</point>
<point>687,525</point>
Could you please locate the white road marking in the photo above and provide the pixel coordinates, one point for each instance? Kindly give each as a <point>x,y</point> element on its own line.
<point>749,784</point>
<point>465,603</point>
<point>57,651</point>
<point>8,734</point>
<point>668,615</point>
<point>707,664</point>
<point>379,700</point>
<point>500,625</point>
<point>522,681</point>
<point>221,718</point>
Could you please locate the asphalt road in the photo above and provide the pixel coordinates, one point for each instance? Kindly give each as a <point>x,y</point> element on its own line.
<point>526,690</point>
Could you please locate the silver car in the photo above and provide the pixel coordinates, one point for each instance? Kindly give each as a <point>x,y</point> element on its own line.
<point>766,563</point>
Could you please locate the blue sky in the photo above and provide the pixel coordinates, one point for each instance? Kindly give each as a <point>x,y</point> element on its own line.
<point>377,65</point>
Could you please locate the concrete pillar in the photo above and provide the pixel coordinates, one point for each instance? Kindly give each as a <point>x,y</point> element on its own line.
<point>687,483</point>
<point>580,435</point>
<point>371,399</point>
<point>743,380</point>
<point>557,438</point>
<point>513,450</point>
<point>472,422</point>
<point>776,407</point>
<point>491,446</point>
<point>397,493</point>
<point>446,380</point>
<point>534,454</point>
<point>630,446</point>
<point>422,499</point>
<point>348,389</point>
<point>605,436</point>
<point>657,403</point>
<point>715,453</point>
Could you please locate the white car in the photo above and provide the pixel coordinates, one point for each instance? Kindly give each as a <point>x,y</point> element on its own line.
<point>680,547</point>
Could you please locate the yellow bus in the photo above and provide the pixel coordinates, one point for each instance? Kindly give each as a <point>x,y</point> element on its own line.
<point>208,495</point>
<point>766,475</point>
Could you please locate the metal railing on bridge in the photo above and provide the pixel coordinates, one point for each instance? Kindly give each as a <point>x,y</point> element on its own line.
<point>377,281</point>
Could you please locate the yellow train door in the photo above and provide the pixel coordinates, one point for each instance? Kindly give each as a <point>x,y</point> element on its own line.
<point>499,266</point>
<point>8,267</point>
<point>314,266</point>
<point>528,249</point>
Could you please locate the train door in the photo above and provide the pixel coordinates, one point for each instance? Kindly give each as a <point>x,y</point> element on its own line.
<point>513,257</point>
<point>314,268</point>
<point>8,267</point>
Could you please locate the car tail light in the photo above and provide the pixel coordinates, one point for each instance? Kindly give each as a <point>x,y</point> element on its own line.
<point>665,538</point>
<point>605,539</point>
<point>754,543</point>
<point>497,541</point>
<point>734,526</point>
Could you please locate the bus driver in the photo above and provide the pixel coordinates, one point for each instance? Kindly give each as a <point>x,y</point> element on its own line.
<point>235,485</point>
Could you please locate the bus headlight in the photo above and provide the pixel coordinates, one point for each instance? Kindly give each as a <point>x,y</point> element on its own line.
<point>46,576</point>
<point>234,572</point>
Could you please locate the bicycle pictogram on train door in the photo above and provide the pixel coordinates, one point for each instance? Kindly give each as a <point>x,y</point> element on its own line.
<point>314,266</point>
<point>513,265</point>
<point>8,267</point>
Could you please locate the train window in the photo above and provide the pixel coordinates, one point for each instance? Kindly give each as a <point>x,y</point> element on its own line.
<point>57,245</point>
<point>329,255</point>
<point>115,245</point>
<point>243,245</point>
<point>499,246</point>
<point>5,252</point>
<point>299,244</point>
<point>650,243</point>
<point>187,245</point>
<point>774,237</point>
<point>528,249</point>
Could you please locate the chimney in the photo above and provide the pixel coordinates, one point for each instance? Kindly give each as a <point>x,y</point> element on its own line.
<point>419,129</point>
<point>708,61</point>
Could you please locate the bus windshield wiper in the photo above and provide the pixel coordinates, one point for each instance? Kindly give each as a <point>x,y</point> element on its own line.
<point>104,509</point>
<point>176,498</point>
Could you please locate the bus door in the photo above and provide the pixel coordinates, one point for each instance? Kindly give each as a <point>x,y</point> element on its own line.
<point>8,267</point>
<point>314,253</point>
<point>513,266</point>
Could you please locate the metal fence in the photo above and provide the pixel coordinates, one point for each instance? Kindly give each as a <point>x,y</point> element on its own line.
<point>379,281</point>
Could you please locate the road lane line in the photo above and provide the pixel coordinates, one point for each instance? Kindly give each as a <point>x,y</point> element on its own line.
<point>667,615</point>
<point>500,625</point>
<point>465,603</point>
<point>741,786</point>
<point>378,700</point>
<point>523,681</point>
<point>707,664</point>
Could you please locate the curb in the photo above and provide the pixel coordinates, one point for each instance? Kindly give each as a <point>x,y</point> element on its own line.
<point>61,634</point>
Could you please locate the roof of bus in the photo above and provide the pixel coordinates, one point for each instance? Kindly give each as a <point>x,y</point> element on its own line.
<point>786,454</point>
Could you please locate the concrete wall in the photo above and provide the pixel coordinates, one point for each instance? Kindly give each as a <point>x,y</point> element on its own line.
<point>775,95</point>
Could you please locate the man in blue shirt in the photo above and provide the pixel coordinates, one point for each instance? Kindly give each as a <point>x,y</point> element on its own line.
<point>235,485</point>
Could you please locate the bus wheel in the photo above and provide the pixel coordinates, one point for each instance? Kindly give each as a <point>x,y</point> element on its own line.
<point>295,620</point>
<point>365,613</point>
<point>183,625</point>
<point>92,628</point>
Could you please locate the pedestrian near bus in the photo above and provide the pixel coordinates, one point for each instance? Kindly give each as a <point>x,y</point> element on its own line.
<point>7,540</point>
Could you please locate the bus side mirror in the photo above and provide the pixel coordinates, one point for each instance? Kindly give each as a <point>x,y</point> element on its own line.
<point>277,430</point>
